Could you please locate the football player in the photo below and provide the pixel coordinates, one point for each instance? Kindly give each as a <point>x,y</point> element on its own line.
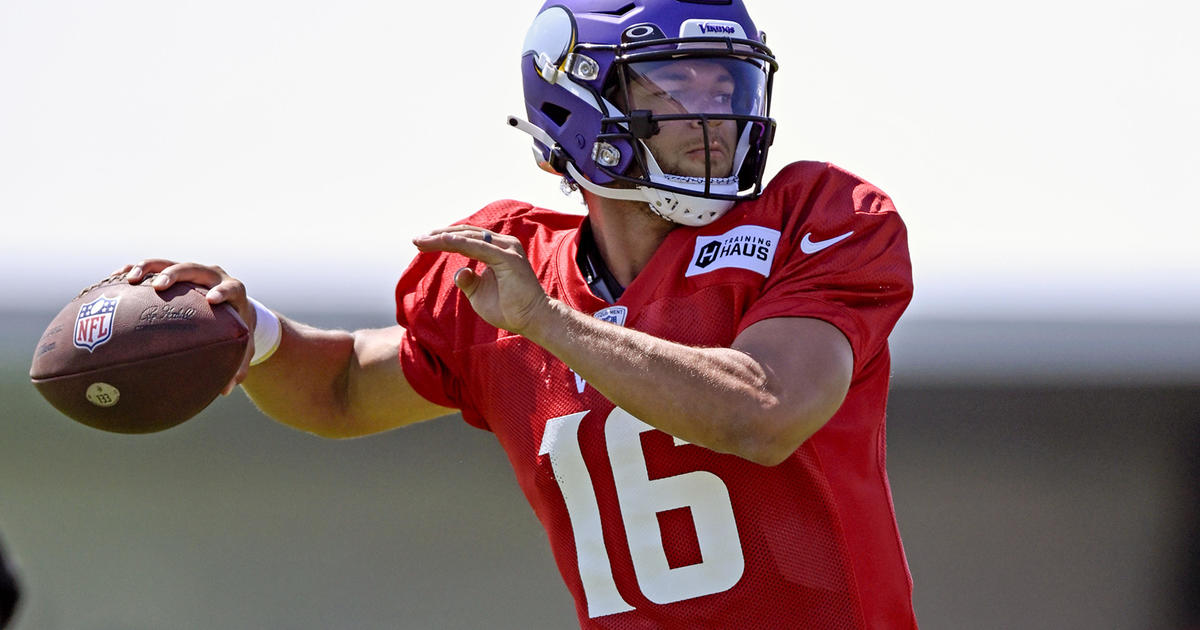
<point>689,382</point>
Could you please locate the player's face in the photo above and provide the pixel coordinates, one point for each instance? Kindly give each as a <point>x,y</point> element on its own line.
<point>693,86</point>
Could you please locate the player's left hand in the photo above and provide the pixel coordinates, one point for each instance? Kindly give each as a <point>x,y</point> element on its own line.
<point>507,293</point>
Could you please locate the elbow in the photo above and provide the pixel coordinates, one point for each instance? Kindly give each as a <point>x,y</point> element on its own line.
<point>773,447</point>
<point>335,418</point>
<point>771,455</point>
<point>775,432</point>
<point>768,450</point>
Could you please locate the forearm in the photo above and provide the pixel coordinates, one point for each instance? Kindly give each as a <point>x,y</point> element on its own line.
<point>338,384</point>
<point>304,383</point>
<point>719,398</point>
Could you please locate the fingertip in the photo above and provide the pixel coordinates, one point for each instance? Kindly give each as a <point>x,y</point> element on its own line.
<point>465,280</point>
<point>424,241</point>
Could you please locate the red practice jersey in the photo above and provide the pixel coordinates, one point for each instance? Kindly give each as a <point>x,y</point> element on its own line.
<point>650,531</point>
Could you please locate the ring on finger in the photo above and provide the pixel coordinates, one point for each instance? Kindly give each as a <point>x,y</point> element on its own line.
<point>487,236</point>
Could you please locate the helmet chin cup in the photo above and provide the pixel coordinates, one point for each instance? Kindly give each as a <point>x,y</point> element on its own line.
<point>685,209</point>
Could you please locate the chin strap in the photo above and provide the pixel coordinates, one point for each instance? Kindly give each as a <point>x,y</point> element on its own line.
<point>537,132</point>
<point>624,194</point>
<point>674,207</point>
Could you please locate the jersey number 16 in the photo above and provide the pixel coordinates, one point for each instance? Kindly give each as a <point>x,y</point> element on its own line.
<point>641,499</point>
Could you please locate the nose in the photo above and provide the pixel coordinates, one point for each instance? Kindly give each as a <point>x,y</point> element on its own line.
<point>713,123</point>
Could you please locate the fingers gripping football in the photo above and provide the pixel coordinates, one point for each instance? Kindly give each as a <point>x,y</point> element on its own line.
<point>506,293</point>
<point>222,288</point>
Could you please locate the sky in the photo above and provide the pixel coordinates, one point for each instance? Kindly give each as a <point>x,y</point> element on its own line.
<point>1043,154</point>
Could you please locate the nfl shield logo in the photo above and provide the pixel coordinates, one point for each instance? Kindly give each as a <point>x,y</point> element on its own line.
<point>94,324</point>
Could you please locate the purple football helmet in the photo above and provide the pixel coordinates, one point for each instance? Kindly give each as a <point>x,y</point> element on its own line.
<point>605,80</point>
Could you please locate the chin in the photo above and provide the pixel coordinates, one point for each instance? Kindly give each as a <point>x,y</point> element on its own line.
<point>698,171</point>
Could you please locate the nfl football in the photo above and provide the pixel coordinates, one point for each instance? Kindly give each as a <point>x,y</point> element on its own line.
<point>130,359</point>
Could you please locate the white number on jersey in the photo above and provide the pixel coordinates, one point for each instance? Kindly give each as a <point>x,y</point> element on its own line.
<point>641,499</point>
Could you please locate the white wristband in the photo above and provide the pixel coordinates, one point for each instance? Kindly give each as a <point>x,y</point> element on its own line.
<point>267,332</point>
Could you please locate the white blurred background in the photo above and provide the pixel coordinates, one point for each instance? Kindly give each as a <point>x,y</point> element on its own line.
<point>1044,154</point>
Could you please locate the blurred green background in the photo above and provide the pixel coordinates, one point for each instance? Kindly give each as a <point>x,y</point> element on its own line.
<point>1050,493</point>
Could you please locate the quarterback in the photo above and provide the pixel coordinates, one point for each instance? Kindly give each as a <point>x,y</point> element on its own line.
<point>690,381</point>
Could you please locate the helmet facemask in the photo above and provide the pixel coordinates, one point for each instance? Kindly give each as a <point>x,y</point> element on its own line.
<point>692,119</point>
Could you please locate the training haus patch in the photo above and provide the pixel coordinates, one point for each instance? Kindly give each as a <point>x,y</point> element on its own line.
<point>750,247</point>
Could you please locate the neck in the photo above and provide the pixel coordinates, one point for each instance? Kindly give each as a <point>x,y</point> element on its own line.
<point>627,234</point>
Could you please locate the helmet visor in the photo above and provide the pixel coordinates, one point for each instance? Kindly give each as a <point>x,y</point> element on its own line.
<point>716,86</point>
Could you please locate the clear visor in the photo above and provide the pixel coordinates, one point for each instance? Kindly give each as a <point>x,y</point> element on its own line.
<point>721,86</point>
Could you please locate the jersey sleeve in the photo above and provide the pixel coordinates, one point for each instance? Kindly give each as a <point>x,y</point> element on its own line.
<point>441,328</point>
<point>843,259</point>
<point>439,323</point>
<point>427,305</point>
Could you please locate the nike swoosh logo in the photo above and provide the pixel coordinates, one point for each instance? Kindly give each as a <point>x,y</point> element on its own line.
<point>808,246</point>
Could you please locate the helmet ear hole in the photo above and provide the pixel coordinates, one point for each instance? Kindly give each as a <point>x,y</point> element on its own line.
<point>555,113</point>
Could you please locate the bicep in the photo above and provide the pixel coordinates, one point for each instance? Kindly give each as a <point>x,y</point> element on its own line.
<point>379,396</point>
<point>808,366</point>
